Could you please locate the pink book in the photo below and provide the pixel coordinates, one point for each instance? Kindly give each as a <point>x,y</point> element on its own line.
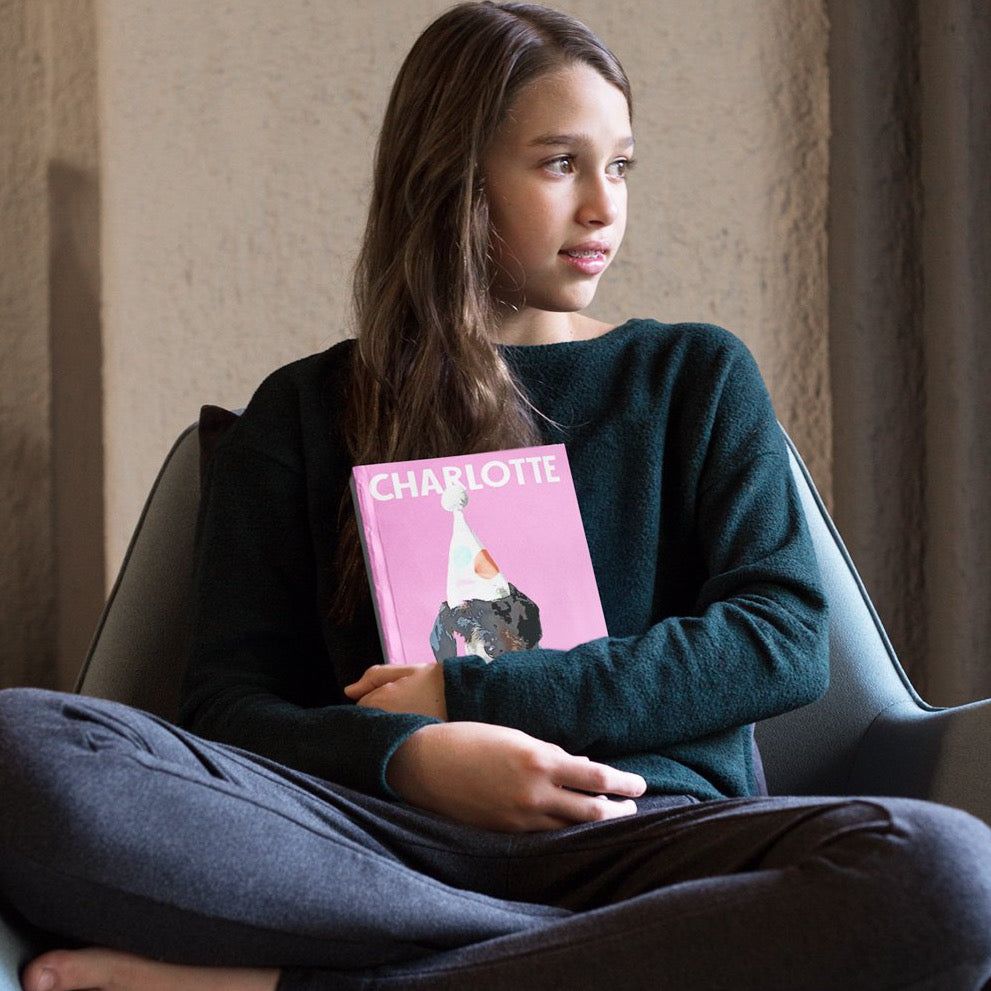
<point>476,555</point>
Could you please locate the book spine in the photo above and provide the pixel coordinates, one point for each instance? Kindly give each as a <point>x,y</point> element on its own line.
<point>376,564</point>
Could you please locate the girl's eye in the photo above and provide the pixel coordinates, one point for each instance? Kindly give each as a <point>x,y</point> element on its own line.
<point>564,165</point>
<point>620,169</point>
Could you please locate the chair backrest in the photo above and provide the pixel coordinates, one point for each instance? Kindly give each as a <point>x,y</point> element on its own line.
<point>137,653</point>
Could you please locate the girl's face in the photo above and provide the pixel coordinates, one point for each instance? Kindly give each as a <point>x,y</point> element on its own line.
<point>555,178</point>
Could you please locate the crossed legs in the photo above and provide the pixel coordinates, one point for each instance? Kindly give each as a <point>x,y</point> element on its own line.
<point>124,832</point>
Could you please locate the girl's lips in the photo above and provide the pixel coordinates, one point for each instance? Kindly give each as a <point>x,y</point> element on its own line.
<point>586,260</point>
<point>587,248</point>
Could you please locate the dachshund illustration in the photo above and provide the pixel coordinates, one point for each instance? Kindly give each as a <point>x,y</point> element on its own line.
<point>487,627</point>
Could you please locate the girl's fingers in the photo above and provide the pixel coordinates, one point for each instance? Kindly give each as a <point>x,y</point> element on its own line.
<point>377,676</point>
<point>582,790</point>
<point>583,775</point>
<point>574,807</point>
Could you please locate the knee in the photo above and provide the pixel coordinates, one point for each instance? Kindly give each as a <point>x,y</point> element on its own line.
<point>29,733</point>
<point>47,744</point>
<point>65,771</point>
<point>948,846</point>
<point>28,742</point>
<point>941,877</point>
<point>25,716</point>
<point>921,873</point>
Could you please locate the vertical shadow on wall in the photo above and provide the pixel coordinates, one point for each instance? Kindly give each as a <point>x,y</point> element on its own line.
<point>77,410</point>
<point>876,340</point>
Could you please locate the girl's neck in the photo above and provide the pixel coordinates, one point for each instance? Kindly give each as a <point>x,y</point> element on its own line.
<point>545,327</point>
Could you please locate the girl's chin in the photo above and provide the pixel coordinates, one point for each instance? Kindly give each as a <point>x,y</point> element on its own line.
<point>568,299</point>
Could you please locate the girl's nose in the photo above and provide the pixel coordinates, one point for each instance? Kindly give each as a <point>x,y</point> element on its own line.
<point>598,207</point>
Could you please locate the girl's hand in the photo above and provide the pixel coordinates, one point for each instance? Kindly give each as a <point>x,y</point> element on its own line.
<point>416,688</point>
<point>500,778</point>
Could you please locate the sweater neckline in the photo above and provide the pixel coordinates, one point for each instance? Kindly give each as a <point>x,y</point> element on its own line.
<point>589,342</point>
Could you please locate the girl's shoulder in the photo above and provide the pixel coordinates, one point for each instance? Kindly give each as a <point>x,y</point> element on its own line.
<point>312,373</point>
<point>297,400</point>
<point>693,349</point>
<point>692,338</point>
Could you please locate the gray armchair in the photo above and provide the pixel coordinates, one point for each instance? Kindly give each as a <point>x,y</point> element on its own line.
<point>870,734</point>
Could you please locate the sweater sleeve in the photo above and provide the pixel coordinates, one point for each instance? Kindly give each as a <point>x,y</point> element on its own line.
<point>753,644</point>
<point>260,674</point>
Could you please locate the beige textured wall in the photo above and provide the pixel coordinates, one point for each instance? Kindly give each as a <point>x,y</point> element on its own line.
<point>200,230</point>
<point>51,537</point>
<point>236,147</point>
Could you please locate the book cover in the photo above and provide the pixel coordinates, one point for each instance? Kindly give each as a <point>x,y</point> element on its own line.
<point>477,554</point>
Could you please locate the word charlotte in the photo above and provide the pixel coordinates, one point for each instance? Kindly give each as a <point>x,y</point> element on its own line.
<point>538,469</point>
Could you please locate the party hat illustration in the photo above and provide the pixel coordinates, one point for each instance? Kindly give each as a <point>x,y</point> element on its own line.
<point>471,571</point>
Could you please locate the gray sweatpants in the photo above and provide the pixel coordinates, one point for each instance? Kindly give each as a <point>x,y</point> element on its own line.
<point>119,829</point>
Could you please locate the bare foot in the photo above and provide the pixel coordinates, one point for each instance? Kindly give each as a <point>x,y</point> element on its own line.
<point>108,970</point>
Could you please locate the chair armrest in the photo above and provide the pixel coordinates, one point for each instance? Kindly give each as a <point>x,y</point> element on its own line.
<point>937,754</point>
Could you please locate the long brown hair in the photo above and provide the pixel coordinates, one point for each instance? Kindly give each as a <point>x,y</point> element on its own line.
<point>427,377</point>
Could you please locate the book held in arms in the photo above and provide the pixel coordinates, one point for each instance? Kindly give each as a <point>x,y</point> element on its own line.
<point>478,554</point>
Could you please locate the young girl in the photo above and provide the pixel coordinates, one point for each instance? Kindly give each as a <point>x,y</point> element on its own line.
<point>555,819</point>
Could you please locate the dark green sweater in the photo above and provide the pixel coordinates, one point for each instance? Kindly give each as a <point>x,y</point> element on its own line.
<point>706,572</point>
